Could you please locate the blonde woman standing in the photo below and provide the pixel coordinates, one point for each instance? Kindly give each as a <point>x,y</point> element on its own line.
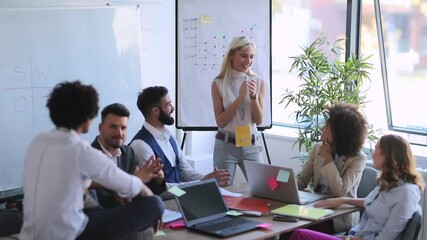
<point>238,99</point>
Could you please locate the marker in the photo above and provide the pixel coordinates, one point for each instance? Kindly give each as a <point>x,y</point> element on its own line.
<point>252,213</point>
<point>246,77</point>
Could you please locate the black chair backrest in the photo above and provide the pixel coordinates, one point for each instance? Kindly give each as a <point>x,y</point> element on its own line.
<point>413,227</point>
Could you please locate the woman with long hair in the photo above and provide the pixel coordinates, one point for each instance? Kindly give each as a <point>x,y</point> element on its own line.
<point>238,99</point>
<point>389,207</point>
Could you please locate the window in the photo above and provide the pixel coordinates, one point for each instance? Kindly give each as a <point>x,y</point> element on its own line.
<point>294,24</point>
<point>404,31</point>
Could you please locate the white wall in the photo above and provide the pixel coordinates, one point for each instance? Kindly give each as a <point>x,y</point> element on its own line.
<point>158,44</point>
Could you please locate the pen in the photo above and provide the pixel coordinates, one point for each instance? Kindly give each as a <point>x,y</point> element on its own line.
<point>246,77</point>
<point>252,213</point>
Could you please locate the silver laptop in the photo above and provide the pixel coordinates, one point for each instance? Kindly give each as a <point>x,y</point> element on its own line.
<point>204,210</point>
<point>286,191</point>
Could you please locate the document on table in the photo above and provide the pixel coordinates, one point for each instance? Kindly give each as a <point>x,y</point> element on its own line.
<point>225,192</point>
<point>170,215</point>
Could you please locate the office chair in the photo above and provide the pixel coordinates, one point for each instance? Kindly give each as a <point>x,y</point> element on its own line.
<point>368,182</point>
<point>413,227</point>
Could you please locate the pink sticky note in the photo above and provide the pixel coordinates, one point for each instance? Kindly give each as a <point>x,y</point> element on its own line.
<point>264,225</point>
<point>179,224</point>
<point>272,183</point>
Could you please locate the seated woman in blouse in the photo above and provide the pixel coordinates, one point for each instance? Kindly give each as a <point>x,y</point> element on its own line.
<point>389,207</point>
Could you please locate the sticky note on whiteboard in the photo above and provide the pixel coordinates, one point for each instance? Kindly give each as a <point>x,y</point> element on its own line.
<point>206,19</point>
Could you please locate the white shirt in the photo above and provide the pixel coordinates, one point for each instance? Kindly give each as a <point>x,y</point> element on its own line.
<point>59,167</point>
<point>144,152</point>
<point>229,91</point>
<point>113,158</point>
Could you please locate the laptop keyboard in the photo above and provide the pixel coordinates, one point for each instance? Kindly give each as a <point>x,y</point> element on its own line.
<point>221,224</point>
<point>307,197</point>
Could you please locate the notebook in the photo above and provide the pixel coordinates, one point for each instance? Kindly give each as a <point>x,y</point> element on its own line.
<point>277,183</point>
<point>305,212</point>
<point>204,210</point>
<point>248,204</point>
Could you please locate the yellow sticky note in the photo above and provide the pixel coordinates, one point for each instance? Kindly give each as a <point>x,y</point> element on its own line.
<point>243,136</point>
<point>206,19</point>
<point>233,213</point>
<point>283,176</point>
<point>176,191</point>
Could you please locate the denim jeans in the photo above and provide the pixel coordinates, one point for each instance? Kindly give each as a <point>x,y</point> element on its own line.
<point>226,156</point>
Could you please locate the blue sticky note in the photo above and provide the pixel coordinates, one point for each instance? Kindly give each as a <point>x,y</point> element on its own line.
<point>176,191</point>
<point>283,176</point>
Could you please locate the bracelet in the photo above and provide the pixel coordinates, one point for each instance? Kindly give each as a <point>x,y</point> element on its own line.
<point>253,97</point>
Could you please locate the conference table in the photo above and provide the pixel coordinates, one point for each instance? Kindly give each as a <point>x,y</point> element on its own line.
<point>277,228</point>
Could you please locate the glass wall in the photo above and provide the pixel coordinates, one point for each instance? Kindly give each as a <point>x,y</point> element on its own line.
<point>295,24</point>
<point>404,29</point>
<point>400,89</point>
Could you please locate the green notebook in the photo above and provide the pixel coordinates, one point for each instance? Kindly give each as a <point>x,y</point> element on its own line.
<point>301,211</point>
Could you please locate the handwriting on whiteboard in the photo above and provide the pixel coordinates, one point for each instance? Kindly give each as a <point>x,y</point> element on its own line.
<point>22,88</point>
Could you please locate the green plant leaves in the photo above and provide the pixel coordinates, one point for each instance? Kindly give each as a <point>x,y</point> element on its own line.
<point>325,79</point>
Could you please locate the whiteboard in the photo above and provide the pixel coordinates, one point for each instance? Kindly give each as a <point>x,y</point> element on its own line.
<point>204,30</point>
<point>41,47</point>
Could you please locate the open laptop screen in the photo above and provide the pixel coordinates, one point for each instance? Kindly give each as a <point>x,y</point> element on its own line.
<point>202,201</point>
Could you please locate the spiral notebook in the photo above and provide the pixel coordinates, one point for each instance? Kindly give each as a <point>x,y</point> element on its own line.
<point>306,212</point>
<point>248,204</point>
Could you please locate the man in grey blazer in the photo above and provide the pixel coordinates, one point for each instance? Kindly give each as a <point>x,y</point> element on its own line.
<point>111,139</point>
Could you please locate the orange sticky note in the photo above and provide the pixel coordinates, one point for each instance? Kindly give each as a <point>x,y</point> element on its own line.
<point>272,183</point>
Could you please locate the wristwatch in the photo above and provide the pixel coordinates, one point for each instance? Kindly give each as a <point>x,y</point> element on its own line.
<point>253,97</point>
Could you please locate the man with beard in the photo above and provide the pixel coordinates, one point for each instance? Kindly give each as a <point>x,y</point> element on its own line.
<point>154,140</point>
<point>111,139</point>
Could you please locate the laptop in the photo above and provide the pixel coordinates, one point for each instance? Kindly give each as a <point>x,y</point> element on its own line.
<point>204,210</point>
<point>258,177</point>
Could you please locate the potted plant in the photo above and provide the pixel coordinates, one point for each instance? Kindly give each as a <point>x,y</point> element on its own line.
<point>325,79</point>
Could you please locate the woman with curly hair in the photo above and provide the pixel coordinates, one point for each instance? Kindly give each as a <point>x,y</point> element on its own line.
<point>336,163</point>
<point>389,207</point>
